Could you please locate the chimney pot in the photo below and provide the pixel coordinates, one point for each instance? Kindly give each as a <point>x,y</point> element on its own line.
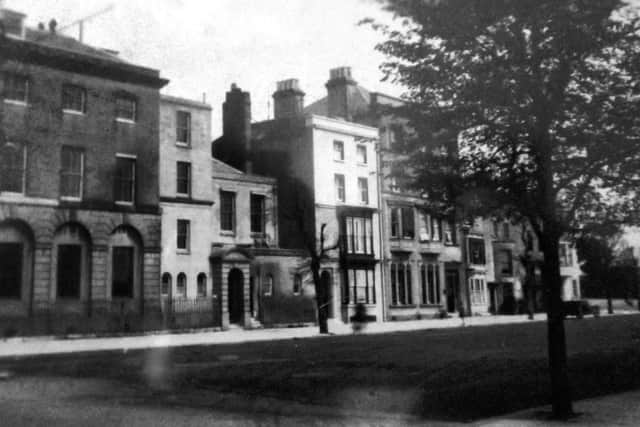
<point>341,88</point>
<point>52,26</point>
<point>288,99</point>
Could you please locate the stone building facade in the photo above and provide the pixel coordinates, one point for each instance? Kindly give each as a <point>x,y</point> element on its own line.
<point>432,263</point>
<point>79,208</point>
<point>327,177</point>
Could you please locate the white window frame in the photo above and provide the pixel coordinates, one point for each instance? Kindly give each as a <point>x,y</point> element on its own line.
<point>338,178</point>
<point>362,149</point>
<point>74,198</point>
<point>338,147</point>
<point>187,247</point>
<point>21,102</point>
<point>83,92</point>
<point>135,168</point>
<point>363,190</point>
<point>19,147</point>
<point>189,127</point>
<point>134,101</point>
<point>189,179</point>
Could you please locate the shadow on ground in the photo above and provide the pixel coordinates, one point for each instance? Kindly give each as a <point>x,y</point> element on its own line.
<point>461,374</point>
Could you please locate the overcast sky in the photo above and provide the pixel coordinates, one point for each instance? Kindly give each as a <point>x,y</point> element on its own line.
<point>203,46</point>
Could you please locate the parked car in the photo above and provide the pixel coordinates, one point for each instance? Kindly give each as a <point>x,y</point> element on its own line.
<point>580,308</point>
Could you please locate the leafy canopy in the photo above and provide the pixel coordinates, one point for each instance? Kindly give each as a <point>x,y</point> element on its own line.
<point>528,106</point>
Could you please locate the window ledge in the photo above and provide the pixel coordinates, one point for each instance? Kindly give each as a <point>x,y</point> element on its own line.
<point>123,203</point>
<point>16,102</point>
<point>127,121</point>
<point>183,144</point>
<point>70,199</point>
<point>338,160</point>
<point>73,112</point>
<point>227,233</point>
<point>183,251</point>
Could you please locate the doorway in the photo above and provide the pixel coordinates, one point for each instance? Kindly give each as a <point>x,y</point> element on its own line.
<point>452,280</point>
<point>236,296</point>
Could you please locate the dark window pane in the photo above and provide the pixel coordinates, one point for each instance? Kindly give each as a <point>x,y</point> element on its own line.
<point>71,172</point>
<point>16,87</point>
<point>408,227</point>
<point>227,210</point>
<point>69,270</point>
<point>202,285</point>
<point>122,272</point>
<point>257,213</point>
<point>183,127</point>
<point>476,251</point>
<point>126,108</point>
<point>73,98</point>
<point>166,284</point>
<point>183,234</point>
<point>11,169</point>
<point>124,179</point>
<point>183,178</point>
<point>10,270</point>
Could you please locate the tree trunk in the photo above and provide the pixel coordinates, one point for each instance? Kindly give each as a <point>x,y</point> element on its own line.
<point>560,389</point>
<point>607,289</point>
<point>322,303</point>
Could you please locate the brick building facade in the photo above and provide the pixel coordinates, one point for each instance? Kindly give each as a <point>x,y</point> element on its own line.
<point>79,208</point>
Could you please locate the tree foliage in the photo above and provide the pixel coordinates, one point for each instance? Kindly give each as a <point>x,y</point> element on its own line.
<point>525,108</point>
<point>497,85</point>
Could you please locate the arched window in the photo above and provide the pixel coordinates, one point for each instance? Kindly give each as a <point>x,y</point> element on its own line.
<point>181,285</point>
<point>268,285</point>
<point>166,284</point>
<point>202,285</point>
<point>297,284</point>
<point>126,263</point>
<point>72,261</point>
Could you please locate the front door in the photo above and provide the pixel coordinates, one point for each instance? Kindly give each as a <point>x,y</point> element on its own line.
<point>236,296</point>
<point>451,282</point>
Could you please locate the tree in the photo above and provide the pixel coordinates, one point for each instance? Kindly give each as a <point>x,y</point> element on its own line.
<point>598,251</point>
<point>529,107</point>
<point>302,214</point>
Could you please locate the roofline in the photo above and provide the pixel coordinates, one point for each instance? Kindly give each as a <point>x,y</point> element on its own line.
<point>185,101</point>
<point>67,60</point>
<point>259,179</point>
<point>357,127</point>
<point>395,98</point>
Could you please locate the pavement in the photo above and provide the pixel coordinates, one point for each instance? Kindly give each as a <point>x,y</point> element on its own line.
<point>612,410</point>
<point>46,345</point>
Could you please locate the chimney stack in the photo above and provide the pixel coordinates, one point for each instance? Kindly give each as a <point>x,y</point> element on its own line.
<point>236,129</point>
<point>12,23</point>
<point>288,99</point>
<point>341,89</point>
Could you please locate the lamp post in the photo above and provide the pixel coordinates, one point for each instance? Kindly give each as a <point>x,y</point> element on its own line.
<point>464,287</point>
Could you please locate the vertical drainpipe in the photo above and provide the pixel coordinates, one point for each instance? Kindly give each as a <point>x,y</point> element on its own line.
<point>381,224</point>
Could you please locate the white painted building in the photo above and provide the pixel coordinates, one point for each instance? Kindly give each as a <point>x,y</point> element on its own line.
<point>186,198</point>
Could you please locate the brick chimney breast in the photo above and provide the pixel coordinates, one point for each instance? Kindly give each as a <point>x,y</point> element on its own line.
<point>236,129</point>
<point>340,91</point>
<point>288,99</point>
